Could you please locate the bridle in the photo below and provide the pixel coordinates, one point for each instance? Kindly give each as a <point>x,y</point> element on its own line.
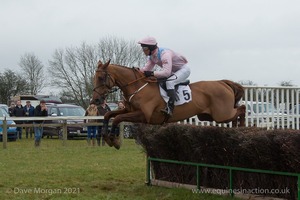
<point>105,82</point>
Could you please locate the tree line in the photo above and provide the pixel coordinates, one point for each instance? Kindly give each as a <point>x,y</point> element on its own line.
<point>71,70</point>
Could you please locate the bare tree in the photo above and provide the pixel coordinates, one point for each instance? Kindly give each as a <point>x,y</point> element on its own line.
<point>247,82</point>
<point>121,52</point>
<point>286,83</point>
<point>11,84</point>
<point>73,69</point>
<point>33,72</point>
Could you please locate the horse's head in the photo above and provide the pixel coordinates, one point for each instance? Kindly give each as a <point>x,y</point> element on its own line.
<point>103,82</point>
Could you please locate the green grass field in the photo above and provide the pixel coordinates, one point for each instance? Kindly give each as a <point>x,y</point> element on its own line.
<point>78,171</point>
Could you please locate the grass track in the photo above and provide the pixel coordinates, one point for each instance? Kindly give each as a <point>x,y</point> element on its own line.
<point>79,172</point>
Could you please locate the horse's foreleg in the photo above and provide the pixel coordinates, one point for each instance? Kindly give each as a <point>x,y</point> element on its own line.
<point>109,115</point>
<point>112,139</point>
<point>136,116</point>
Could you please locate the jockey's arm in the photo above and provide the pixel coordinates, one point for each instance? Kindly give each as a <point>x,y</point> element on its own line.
<point>148,67</point>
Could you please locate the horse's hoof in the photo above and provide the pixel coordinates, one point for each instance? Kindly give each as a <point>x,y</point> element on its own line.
<point>115,141</point>
<point>104,132</point>
<point>108,141</point>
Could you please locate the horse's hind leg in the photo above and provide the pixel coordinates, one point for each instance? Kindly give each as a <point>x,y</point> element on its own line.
<point>240,115</point>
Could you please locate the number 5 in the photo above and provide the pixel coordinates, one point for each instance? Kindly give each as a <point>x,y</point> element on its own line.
<point>186,95</point>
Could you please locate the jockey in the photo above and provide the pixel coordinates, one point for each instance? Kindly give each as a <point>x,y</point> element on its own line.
<point>174,68</point>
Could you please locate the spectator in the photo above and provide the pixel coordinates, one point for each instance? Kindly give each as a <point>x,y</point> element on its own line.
<point>102,109</point>
<point>92,110</point>
<point>11,109</point>
<point>120,105</point>
<point>18,111</point>
<point>29,112</point>
<point>40,111</point>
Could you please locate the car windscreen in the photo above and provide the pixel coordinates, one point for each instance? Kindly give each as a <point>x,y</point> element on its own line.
<point>71,111</point>
<point>263,108</point>
<point>3,112</point>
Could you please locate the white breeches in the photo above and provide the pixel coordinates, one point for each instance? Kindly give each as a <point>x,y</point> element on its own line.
<point>178,77</point>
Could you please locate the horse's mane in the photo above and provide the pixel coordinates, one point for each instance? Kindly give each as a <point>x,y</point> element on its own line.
<point>137,69</point>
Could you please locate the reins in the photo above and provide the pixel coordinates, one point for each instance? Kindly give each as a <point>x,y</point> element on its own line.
<point>112,90</point>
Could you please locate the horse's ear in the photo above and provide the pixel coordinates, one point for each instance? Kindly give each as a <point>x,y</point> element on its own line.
<point>99,64</point>
<point>106,64</point>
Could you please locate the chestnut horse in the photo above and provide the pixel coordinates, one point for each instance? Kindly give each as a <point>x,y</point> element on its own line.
<point>211,100</point>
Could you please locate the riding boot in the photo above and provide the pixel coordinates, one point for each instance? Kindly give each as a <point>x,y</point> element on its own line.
<point>170,105</point>
<point>93,141</point>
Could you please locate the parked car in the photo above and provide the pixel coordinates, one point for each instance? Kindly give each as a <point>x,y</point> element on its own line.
<point>57,110</point>
<point>294,111</point>
<point>295,114</point>
<point>264,114</point>
<point>11,131</point>
<point>112,106</point>
<point>4,106</point>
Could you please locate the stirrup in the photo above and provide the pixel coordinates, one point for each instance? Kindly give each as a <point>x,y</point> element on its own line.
<point>167,111</point>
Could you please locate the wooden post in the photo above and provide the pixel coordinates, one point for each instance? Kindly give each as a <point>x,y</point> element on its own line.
<point>4,133</point>
<point>65,132</point>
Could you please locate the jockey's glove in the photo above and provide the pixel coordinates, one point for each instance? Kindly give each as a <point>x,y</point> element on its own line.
<point>149,73</point>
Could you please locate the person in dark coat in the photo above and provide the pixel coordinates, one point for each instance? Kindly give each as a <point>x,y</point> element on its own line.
<point>19,112</point>
<point>40,110</point>
<point>11,109</point>
<point>102,109</point>
<point>29,112</point>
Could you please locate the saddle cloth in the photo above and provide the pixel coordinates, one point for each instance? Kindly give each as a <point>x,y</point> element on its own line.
<point>183,92</point>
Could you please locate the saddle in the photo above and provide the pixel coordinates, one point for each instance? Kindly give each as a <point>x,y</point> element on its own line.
<point>163,85</point>
<point>182,91</point>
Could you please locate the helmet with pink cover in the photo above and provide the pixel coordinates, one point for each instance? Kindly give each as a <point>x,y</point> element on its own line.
<point>148,41</point>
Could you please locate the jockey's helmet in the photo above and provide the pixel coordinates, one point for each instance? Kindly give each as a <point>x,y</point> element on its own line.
<point>148,41</point>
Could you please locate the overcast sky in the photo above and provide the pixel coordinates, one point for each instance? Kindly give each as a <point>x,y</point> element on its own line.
<point>257,40</point>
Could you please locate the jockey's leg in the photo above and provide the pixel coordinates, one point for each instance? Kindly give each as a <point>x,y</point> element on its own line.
<point>178,77</point>
<point>170,105</point>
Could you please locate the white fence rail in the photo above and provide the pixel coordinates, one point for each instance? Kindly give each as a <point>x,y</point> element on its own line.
<point>63,123</point>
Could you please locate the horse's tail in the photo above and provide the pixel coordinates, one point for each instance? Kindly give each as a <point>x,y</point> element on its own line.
<point>238,90</point>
